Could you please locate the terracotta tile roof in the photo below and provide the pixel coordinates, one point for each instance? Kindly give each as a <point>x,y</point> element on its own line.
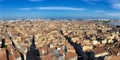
<point>116,50</point>
<point>11,57</point>
<point>61,51</point>
<point>99,50</point>
<point>70,55</point>
<point>3,55</point>
<point>26,28</point>
<point>47,57</point>
<point>16,53</point>
<point>115,58</point>
<point>117,42</point>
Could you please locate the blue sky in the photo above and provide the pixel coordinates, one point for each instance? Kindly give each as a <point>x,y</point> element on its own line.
<point>14,9</point>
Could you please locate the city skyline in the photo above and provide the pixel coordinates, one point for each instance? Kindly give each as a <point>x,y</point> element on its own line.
<point>14,9</point>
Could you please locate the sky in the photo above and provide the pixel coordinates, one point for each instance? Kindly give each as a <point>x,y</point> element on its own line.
<point>14,9</point>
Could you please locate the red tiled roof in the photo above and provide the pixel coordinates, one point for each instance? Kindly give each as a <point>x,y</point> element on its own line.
<point>16,53</point>
<point>70,55</point>
<point>3,55</point>
<point>117,42</point>
<point>115,58</point>
<point>47,57</point>
<point>11,57</point>
<point>99,50</point>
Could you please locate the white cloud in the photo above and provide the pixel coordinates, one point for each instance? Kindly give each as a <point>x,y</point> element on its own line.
<point>114,3</point>
<point>24,9</point>
<point>113,14</point>
<point>59,8</point>
<point>36,0</point>
<point>116,6</point>
<point>91,1</point>
<point>101,11</point>
<point>53,8</point>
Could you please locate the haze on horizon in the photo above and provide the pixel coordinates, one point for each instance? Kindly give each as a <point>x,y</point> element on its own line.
<point>13,9</point>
